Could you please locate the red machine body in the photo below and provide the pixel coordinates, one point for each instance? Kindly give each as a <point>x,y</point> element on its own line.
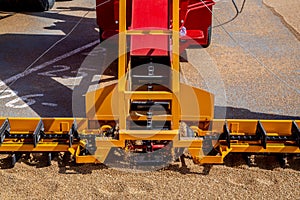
<point>149,45</point>
<point>195,18</point>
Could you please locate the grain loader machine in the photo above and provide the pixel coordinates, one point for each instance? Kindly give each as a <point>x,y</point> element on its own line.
<point>149,117</point>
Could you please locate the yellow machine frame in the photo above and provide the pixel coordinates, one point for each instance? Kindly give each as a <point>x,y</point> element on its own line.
<point>111,103</point>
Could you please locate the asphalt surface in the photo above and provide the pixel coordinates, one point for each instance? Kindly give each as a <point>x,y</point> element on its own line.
<point>252,65</point>
<point>24,38</point>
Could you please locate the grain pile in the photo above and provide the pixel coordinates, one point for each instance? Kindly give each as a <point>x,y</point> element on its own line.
<point>288,10</point>
<point>247,65</point>
<point>233,180</point>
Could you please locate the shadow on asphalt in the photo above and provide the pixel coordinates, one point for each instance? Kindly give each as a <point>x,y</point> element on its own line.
<point>23,5</point>
<point>262,161</point>
<point>242,113</point>
<point>23,49</point>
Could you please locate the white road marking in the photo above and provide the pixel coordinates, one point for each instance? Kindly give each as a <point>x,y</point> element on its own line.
<point>51,73</point>
<point>10,93</point>
<point>23,101</point>
<point>69,82</point>
<point>49,104</point>
<point>46,64</point>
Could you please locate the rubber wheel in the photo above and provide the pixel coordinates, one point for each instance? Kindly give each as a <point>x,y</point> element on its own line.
<point>13,160</point>
<point>100,34</point>
<point>49,159</point>
<point>209,30</point>
<point>45,5</point>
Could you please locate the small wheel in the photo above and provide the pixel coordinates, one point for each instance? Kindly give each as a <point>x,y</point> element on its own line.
<point>14,158</point>
<point>283,161</point>
<point>209,32</point>
<point>45,5</point>
<point>49,159</point>
<point>250,160</point>
<point>100,34</point>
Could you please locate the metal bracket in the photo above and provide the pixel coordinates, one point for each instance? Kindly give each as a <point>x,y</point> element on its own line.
<point>14,158</point>
<point>149,120</point>
<point>38,132</point>
<point>73,133</point>
<point>226,134</point>
<point>296,132</point>
<point>4,130</point>
<point>261,134</point>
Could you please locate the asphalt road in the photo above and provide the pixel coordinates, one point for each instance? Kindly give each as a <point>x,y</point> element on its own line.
<point>252,65</point>
<point>24,38</point>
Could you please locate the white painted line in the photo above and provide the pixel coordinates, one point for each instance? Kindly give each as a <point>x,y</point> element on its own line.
<point>46,64</point>
<point>49,104</point>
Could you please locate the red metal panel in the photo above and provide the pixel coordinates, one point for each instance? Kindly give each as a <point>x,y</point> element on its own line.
<point>195,16</point>
<point>108,16</point>
<point>198,18</point>
<point>150,15</point>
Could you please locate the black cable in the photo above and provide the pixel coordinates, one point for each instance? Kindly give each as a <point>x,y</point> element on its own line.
<point>238,11</point>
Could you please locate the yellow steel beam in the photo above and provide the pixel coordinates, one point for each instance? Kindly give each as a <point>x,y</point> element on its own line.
<point>175,65</point>
<point>147,95</point>
<point>271,148</point>
<point>122,64</point>
<point>282,127</point>
<point>108,143</point>
<point>154,117</point>
<point>41,147</point>
<point>188,143</point>
<point>211,160</point>
<point>84,159</point>
<point>175,35</point>
<point>148,135</point>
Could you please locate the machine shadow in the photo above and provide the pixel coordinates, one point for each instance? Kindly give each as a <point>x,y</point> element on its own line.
<point>262,161</point>
<point>65,164</point>
<point>242,113</point>
<point>186,170</point>
<point>45,84</point>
